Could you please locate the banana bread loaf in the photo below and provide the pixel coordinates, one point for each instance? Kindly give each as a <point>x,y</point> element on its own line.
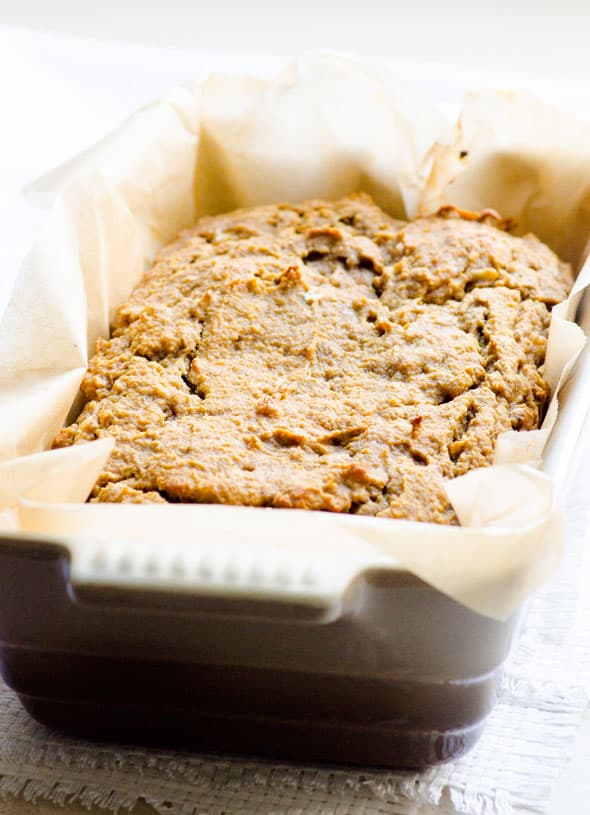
<point>322,356</point>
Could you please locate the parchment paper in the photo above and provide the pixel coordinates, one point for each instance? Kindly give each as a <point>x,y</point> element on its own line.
<point>325,127</point>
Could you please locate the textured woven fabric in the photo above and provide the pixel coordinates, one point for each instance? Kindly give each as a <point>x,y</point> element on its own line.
<point>525,747</point>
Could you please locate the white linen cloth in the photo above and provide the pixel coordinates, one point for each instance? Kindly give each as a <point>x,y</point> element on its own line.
<point>81,90</point>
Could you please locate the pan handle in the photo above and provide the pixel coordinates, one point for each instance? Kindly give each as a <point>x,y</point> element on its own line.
<point>251,579</point>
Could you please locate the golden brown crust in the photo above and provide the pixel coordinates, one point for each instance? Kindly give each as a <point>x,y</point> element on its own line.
<point>322,356</point>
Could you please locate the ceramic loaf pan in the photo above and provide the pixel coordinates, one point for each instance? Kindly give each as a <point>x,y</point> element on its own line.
<point>398,675</point>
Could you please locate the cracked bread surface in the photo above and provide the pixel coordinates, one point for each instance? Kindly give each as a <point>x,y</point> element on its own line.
<point>322,356</point>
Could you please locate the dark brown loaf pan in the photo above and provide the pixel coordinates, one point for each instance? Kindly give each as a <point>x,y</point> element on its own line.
<point>401,676</point>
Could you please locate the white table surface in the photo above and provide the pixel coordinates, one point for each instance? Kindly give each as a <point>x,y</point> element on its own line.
<point>43,79</point>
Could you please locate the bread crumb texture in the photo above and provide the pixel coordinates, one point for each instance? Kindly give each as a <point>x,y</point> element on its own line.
<point>322,356</point>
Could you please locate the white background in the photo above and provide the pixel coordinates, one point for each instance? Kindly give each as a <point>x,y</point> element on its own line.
<point>548,39</point>
<point>539,36</point>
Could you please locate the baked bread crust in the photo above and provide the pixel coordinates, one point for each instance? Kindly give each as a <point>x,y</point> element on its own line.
<point>322,356</point>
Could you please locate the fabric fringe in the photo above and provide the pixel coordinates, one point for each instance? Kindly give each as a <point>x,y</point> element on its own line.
<point>62,793</point>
